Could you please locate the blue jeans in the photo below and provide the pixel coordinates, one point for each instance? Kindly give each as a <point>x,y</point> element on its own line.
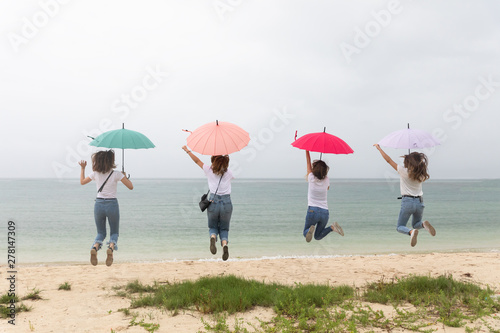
<point>219,215</point>
<point>319,217</point>
<point>410,206</point>
<point>106,208</point>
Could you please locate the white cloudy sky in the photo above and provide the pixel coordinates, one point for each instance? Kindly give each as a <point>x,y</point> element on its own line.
<point>272,67</point>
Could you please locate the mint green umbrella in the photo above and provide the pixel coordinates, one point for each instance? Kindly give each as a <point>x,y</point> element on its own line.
<point>123,139</point>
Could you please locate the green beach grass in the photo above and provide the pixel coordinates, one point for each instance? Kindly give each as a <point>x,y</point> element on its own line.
<point>416,303</point>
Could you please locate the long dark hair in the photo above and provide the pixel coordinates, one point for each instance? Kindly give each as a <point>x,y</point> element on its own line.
<point>103,161</point>
<point>220,163</point>
<point>416,163</point>
<point>320,169</point>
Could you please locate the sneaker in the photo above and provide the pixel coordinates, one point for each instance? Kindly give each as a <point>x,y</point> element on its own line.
<point>93,256</point>
<point>213,249</point>
<point>225,255</point>
<point>310,233</point>
<point>429,228</point>
<point>109,258</point>
<point>337,229</point>
<point>413,239</point>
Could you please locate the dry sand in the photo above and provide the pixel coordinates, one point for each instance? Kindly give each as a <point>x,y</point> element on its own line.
<point>92,305</point>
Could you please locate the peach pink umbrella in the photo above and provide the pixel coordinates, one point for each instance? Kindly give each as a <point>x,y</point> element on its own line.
<point>218,138</point>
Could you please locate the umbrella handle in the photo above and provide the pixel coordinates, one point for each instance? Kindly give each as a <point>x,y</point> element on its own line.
<point>185,130</point>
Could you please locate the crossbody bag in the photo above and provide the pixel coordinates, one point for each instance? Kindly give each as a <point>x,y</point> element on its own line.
<point>204,202</point>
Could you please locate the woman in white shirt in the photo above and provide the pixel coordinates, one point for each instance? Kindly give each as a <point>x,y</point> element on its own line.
<point>412,175</point>
<point>317,210</point>
<point>219,212</point>
<point>106,204</point>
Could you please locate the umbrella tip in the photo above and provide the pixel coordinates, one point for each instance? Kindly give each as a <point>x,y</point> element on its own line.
<point>324,129</point>
<point>123,125</point>
<point>217,122</point>
<point>408,125</point>
<point>88,136</point>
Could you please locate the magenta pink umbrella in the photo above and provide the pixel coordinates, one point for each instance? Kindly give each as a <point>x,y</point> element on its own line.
<point>218,138</point>
<point>323,142</point>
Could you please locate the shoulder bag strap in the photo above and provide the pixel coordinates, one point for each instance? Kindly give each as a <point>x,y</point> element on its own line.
<point>102,186</point>
<point>218,185</point>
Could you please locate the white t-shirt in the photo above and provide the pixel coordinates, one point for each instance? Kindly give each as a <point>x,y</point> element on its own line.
<point>109,190</point>
<point>213,181</point>
<point>317,192</point>
<point>407,185</point>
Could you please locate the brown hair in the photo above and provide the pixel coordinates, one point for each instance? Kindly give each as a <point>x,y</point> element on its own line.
<point>416,163</point>
<point>103,161</point>
<point>320,169</point>
<point>220,164</point>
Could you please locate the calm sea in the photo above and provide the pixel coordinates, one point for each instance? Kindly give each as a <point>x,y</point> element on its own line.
<point>161,221</point>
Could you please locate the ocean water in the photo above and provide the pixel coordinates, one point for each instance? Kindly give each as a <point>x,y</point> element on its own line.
<point>161,221</point>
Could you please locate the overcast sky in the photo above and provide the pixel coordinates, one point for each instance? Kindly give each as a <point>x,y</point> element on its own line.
<point>362,69</point>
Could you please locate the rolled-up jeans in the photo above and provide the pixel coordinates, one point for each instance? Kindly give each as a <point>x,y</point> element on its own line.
<point>410,207</point>
<point>219,215</point>
<point>319,217</point>
<point>107,208</point>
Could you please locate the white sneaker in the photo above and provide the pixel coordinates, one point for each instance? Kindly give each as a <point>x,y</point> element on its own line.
<point>310,233</point>
<point>429,228</point>
<point>413,238</point>
<point>337,228</point>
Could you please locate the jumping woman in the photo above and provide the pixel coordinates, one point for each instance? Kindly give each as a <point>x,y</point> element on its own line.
<point>219,212</point>
<point>317,211</point>
<point>106,204</point>
<point>412,175</point>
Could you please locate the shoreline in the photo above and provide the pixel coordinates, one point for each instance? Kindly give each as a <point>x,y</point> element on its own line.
<point>277,257</point>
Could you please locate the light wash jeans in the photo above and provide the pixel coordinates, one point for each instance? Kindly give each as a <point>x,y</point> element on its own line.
<point>107,208</point>
<point>219,215</point>
<point>409,207</point>
<point>319,217</point>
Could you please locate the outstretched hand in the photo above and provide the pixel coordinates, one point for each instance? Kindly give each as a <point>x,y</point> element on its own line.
<point>83,164</point>
<point>386,157</point>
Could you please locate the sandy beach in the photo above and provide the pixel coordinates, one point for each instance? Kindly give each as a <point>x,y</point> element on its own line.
<point>92,305</point>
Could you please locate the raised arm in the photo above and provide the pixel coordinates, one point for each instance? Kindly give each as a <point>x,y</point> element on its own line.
<point>308,161</point>
<point>127,182</point>
<point>83,180</point>
<point>386,157</point>
<point>193,157</point>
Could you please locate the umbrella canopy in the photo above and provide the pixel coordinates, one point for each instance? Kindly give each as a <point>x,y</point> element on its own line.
<point>409,139</point>
<point>218,138</point>
<point>323,142</point>
<point>124,139</point>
